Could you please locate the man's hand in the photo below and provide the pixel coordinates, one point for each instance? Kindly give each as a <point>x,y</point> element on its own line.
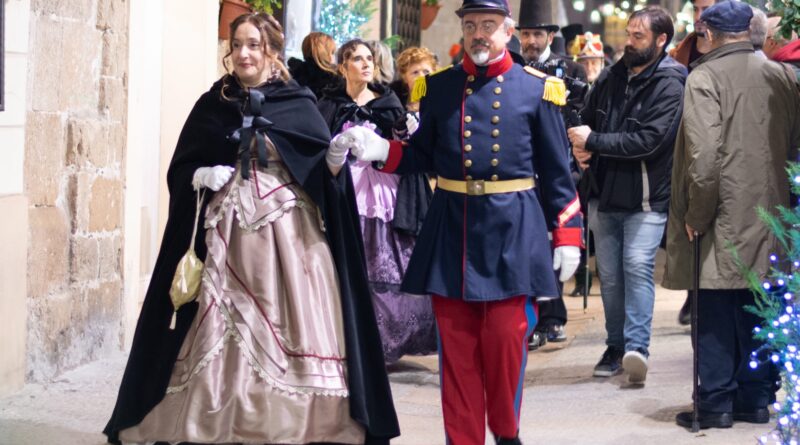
<point>365,144</point>
<point>582,156</point>
<point>690,232</point>
<point>578,136</point>
<point>566,258</point>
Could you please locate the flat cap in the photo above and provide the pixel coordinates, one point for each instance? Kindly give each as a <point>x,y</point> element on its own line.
<point>484,6</point>
<point>728,16</point>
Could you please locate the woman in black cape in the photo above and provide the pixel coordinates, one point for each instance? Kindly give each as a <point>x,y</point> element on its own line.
<point>235,367</point>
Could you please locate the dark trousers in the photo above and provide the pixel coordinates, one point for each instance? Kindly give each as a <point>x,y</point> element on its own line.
<point>725,338</point>
<point>552,311</point>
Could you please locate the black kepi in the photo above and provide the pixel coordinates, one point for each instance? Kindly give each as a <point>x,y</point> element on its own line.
<point>535,14</point>
<point>483,6</point>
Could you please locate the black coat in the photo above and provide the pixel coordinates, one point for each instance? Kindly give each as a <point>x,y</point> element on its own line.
<point>301,137</point>
<point>309,74</point>
<point>386,112</point>
<point>634,124</point>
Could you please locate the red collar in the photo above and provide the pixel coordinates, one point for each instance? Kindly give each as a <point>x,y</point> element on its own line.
<point>494,69</point>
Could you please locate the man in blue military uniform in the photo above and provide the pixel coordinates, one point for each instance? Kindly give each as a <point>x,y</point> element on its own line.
<point>492,132</point>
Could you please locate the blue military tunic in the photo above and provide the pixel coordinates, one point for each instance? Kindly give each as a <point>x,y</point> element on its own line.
<point>493,126</point>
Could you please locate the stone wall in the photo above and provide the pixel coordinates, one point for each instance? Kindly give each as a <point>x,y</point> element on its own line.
<point>75,140</point>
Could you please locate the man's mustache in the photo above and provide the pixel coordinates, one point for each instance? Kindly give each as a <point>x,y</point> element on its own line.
<point>478,43</point>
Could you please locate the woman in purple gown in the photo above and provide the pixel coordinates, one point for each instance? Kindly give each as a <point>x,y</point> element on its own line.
<point>405,321</point>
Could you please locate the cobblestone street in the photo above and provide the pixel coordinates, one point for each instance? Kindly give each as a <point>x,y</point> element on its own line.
<point>563,403</point>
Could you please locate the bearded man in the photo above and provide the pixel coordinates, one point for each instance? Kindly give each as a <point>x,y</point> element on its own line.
<point>632,116</point>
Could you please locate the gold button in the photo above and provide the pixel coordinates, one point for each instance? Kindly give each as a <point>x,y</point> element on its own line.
<point>495,133</point>
<point>496,148</point>
<point>468,177</point>
<point>467,119</point>
<point>500,79</point>
<point>469,91</point>
<point>495,119</point>
<point>496,105</point>
<point>471,78</point>
<point>498,90</point>
<point>468,163</point>
<point>467,134</point>
<point>495,178</point>
<point>495,162</point>
<point>468,148</point>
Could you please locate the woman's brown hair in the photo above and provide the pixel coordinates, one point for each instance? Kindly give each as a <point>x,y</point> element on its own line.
<point>348,48</point>
<point>318,47</point>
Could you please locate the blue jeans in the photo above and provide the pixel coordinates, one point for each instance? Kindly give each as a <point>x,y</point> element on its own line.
<point>626,245</point>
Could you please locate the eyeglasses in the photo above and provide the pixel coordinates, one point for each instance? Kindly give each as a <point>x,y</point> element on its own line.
<point>488,27</point>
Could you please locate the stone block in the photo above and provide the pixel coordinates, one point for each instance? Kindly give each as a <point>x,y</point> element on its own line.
<point>81,49</point>
<point>44,157</point>
<point>104,302</point>
<point>46,58</point>
<point>84,259</point>
<point>105,207</point>
<point>113,98</point>
<point>76,9</point>
<point>78,196</point>
<point>110,257</point>
<point>87,141</point>
<point>112,14</point>
<point>117,143</point>
<point>48,251</point>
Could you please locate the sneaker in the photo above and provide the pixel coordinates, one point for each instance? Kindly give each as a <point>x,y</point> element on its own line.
<point>635,364</point>
<point>537,340</point>
<point>556,333</point>
<point>610,363</point>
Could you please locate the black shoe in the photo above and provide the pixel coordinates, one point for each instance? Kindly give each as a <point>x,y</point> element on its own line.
<point>556,333</point>
<point>706,419</point>
<point>685,314</point>
<point>537,339</point>
<point>610,363</point>
<point>759,415</point>
<point>503,441</point>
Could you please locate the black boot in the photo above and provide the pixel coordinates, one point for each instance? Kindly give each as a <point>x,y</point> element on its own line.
<point>504,441</point>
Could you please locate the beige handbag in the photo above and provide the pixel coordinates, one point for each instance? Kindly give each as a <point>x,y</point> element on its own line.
<point>189,273</point>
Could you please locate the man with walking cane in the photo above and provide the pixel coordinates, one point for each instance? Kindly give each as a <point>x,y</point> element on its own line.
<point>739,128</point>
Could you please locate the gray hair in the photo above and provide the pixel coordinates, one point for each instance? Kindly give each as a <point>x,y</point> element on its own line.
<point>725,36</point>
<point>384,62</point>
<point>758,28</point>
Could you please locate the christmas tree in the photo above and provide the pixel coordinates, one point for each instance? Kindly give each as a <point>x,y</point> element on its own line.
<point>342,19</point>
<point>778,304</point>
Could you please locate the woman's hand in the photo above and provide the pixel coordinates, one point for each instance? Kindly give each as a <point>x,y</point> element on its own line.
<point>212,177</point>
<point>337,154</point>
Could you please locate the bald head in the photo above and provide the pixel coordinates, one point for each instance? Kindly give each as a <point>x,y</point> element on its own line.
<point>773,41</point>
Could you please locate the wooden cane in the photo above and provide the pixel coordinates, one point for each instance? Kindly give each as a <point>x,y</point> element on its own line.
<point>695,346</point>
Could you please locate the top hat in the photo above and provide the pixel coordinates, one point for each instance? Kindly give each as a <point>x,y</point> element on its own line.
<point>484,6</point>
<point>535,14</point>
<point>571,31</point>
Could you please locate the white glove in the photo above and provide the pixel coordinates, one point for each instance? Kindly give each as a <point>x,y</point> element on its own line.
<point>365,144</point>
<point>411,123</point>
<point>337,151</point>
<point>566,258</point>
<point>212,177</point>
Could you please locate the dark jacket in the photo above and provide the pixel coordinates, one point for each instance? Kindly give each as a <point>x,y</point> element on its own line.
<point>384,111</point>
<point>301,137</point>
<point>309,74</point>
<point>633,133</point>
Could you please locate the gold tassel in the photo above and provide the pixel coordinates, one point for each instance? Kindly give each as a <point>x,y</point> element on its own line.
<point>173,321</point>
<point>419,90</point>
<point>555,91</point>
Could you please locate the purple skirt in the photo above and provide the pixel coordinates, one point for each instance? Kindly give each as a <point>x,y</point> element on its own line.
<point>405,321</point>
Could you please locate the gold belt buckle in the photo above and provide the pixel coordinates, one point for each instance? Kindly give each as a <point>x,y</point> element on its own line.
<point>475,187</point>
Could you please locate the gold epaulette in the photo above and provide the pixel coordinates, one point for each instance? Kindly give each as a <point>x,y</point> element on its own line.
<point>421,85</point>
<point>555,90</point>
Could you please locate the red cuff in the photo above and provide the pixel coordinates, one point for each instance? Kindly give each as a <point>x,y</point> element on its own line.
<point>568,236</point>
<point>395,155</point>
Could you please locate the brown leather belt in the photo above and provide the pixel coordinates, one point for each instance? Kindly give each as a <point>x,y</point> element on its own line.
<point>477,187</point>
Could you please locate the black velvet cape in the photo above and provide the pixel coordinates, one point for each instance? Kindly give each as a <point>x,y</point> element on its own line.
<point>386,112</point>
<point>301,137</point>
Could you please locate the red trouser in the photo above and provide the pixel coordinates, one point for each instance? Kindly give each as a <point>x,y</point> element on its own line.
<point>482,355</point>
